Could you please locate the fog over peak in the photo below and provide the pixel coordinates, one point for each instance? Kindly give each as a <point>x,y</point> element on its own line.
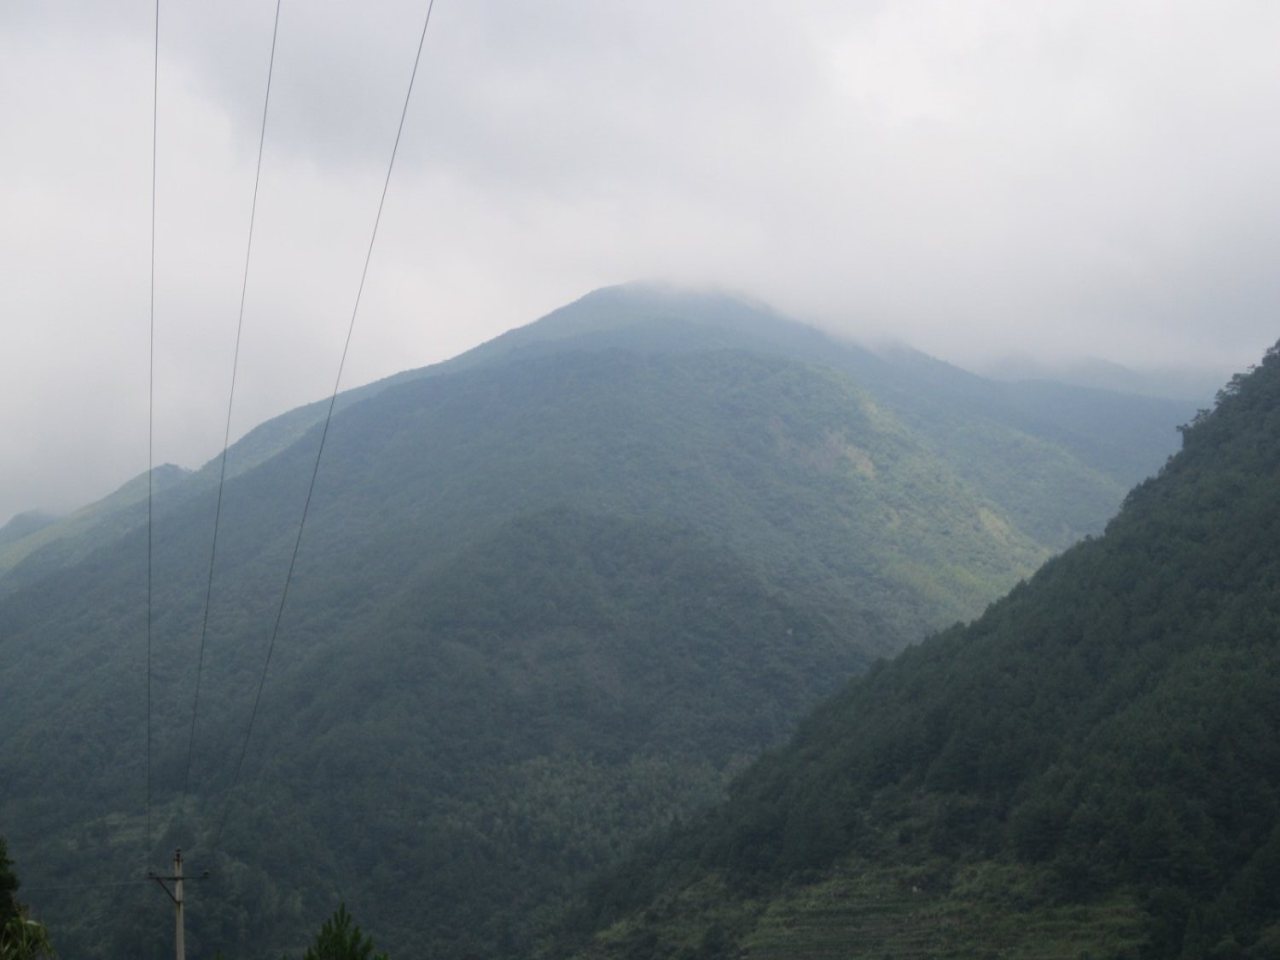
<point>1085,179</point>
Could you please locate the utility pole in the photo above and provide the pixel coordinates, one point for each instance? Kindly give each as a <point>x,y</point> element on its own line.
<point>179,939</point>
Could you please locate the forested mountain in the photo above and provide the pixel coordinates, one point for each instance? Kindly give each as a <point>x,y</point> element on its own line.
<point>1092,768</point>
<point>551,595</point>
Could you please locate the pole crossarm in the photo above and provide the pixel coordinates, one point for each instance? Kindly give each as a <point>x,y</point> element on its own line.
<point>163,880</point>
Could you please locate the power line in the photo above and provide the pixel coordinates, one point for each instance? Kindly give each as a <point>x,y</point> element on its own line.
<point>324,433</point>
<point>151,393</point>
<point>226,437</point>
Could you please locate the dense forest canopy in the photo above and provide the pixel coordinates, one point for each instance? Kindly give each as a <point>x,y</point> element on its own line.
<point>1104,740</point>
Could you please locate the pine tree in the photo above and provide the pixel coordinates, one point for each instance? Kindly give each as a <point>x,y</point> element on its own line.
<point>341,939</point>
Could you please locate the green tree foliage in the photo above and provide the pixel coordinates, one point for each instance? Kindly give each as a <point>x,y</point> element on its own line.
<point>340,938</point>
<point>21,938</point>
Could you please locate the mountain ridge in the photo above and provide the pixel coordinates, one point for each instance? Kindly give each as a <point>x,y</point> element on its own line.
<point>624,317</point>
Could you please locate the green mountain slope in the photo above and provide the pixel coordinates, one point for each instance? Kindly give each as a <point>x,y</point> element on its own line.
<point>33,550</point>
<point>551,595</point>
<point>1058,458</point>
<point>1090,768</point>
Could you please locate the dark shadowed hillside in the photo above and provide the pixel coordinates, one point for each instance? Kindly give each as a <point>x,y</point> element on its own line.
<point>1091,768</point>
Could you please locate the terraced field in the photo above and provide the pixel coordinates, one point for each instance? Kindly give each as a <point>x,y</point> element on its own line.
<point>984,910</point>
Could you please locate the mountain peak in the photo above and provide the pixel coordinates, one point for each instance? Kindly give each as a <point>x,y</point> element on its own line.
<point>678,299</point>
<point>656,317</point>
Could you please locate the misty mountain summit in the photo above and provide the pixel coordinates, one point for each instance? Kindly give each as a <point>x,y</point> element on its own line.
<point>551,596</point>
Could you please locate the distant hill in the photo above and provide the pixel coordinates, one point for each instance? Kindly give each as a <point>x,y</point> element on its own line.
<point>52,543</point>
<point>23,525</point>
<point>1092,768</point>
<point>1192,384</point>
<point>551,596</point>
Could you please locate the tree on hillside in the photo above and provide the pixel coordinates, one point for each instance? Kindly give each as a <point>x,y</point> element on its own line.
<point>21,938</point>
<point>8,886</point>
<point>341,939</point>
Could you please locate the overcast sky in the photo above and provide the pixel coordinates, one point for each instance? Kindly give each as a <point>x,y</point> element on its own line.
<point>1053,178</point>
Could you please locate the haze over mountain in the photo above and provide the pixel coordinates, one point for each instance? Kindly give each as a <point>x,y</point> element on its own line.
<point>1194,384</point>
<point>551,595</point>
<point>1057,179</point>
<point>1089,769</point>
<point>22,525</point>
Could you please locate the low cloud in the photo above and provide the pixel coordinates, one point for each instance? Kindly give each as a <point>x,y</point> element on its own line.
<point>1081,179</point>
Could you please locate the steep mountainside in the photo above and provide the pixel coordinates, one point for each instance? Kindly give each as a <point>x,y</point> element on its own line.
<point>550,596</point>
<point>1091,768</point>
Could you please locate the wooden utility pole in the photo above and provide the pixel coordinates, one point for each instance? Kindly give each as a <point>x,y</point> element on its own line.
<point>179,938</point>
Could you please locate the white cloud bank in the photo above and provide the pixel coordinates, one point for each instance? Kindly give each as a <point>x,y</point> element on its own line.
<point>1076,178</point>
